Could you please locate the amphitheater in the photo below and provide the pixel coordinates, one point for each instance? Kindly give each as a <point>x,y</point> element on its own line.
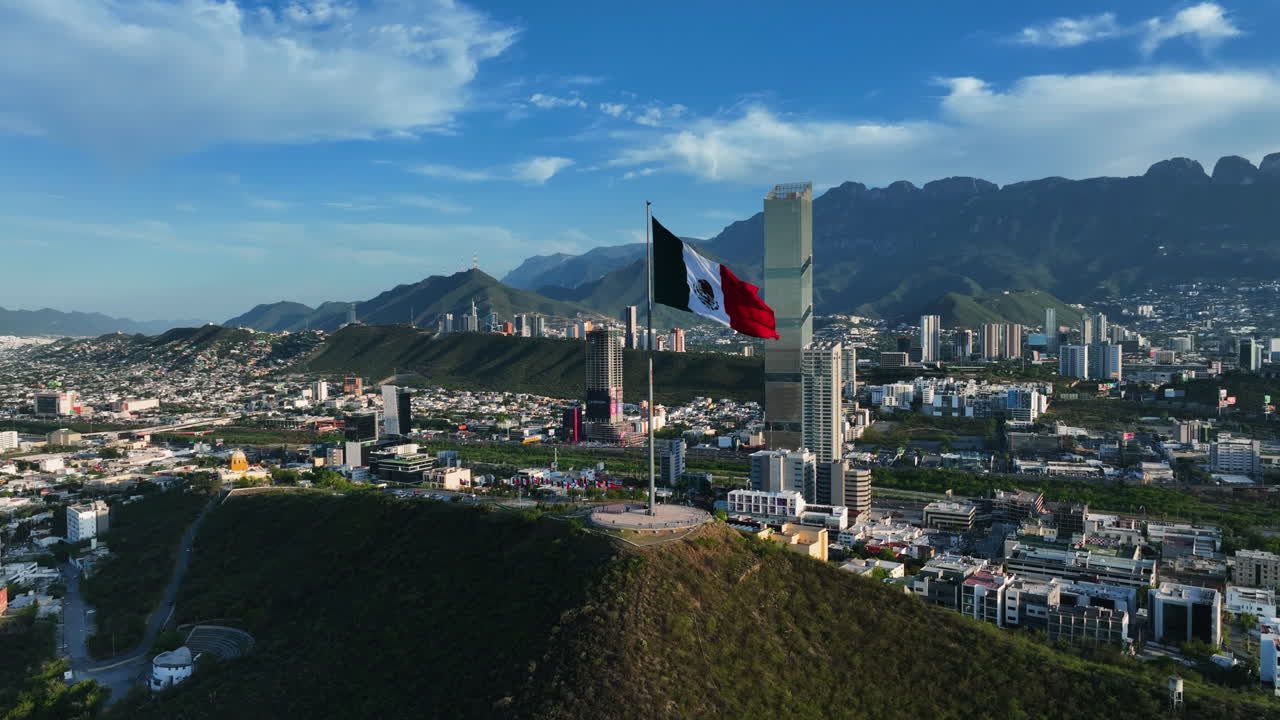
<point>220,641</point>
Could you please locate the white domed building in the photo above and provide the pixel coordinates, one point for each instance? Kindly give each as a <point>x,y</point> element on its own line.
<point>170,668</point>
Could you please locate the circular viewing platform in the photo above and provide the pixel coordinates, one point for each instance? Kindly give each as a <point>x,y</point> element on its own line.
<point>636,517</point>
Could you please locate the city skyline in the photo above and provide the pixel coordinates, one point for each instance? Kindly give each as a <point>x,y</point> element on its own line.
<point>529,121</point>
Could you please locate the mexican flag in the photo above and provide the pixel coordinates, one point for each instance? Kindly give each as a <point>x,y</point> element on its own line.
<point>685,280</point>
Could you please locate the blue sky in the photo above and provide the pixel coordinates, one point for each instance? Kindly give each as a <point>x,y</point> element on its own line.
<point>192,158</point>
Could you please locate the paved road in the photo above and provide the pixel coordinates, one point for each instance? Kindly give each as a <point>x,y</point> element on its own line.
<point>121,672</point>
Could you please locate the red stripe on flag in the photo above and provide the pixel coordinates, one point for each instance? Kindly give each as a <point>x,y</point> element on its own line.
<point>747,312</point>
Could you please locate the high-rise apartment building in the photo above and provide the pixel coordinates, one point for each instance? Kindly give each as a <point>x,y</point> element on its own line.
<point>676,343</point>
<point>964,344</point>
<point>1101,333</point>
<point>604,376</point>
<point>8,440</point>
<point>1051,329</point>
<point>1086,329</point>
<point>522,328</point>
<point>1011,345</point>
<point>1257,568</point>
<point>1073,361</point>
<point>320,392</point>
<point>788,288</point>
<point>822,426</point>
<point>778,470</point>
<point>930,337</point>
<point>849,371</point>
<point>1235,455</point>
<point>632,330</point>
<point>1106,362</point>
<point>670,460</point>
<point>991,333</point>
<point>352,385</point>
<point>539,326</point>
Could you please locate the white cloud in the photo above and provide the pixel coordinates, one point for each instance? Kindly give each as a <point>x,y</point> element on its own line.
<point>540,169</point>
<point>642,172</point>
<point>655,115</point>
<point>1207,23</point>
<point>354,206</point>
<point>1073,125</point>
<point>536,170</point>
<point>1070,32</point>
<point>218,73</point>
<point>185,207</point>
<point>582,80</point>
<point>613,109</point>
<point>546,102</point>
<point>431,202</point>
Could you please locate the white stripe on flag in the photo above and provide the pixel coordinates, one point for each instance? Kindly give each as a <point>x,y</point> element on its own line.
<point>706,297</point>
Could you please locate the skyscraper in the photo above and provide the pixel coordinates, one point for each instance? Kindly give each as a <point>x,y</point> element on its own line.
<point>1100,333</point>
<point>964,343</point>
<point>677,340</point>
<point>821,383</point>
<point>1073,361</point>
<point>788,288</point>
<point>849,371</point>
<point>321,391</point>
<point>631,338</point>
<point>604,376</point>
<point>1086,329</point>
<point>539,326</point>
<point>1249,356</point>
<point>522,325</point>
<point>1051,329</point>
<point>1012,343</point>
<point>991,340</point>
<point>473,319</point>
<point>396,414</point>
<point>930,337</point>
<point>1106,362</point>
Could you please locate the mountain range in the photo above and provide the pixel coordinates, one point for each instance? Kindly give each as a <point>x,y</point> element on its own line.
<point>896,251</point>
<point>76,324</point>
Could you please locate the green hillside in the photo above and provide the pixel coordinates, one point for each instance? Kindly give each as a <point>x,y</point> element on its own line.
<point>1011,306</point>
<point>543,366</point>
<point>371,607</point>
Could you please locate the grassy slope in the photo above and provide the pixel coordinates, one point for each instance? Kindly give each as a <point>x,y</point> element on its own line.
<point>369,607</point>
<point>366,607</point>
<point>535,365</point>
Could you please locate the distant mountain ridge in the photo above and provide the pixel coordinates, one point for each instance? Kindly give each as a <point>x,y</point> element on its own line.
<point>421,303</point>
<point>47,321</point>
<point>896,251</point>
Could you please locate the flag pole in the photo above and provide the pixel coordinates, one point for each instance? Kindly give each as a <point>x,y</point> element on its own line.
<point>648,271</point>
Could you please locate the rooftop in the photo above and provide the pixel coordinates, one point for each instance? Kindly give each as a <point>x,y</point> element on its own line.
<point>790,190</point>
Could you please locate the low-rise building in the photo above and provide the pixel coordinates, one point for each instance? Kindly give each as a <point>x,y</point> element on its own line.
<point>869,566</point>
<point>939,582</point>
<point>171,668</point>
<point>448,478</point>
<point>804,540</point>
<point>1254,601</point>
<point>982,596</point>
<point>1088,625</point>
<point>63,436</point>
<point>1182,613</point>
<point>950,515</point>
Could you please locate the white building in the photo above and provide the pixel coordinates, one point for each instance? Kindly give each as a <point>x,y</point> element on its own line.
<point>930,337</point>
<point>320,393</point>
<point>822,420</point>
<point>8,440</point>
<point>1255,601</point>
<point>87,521</point>
<point>170,668</point>
<point>1235,455</point>
<point>763,503</point>
<point>776,470</point>
<point>135,405</point>
<point>1182,613</point>
<point>950,515</point>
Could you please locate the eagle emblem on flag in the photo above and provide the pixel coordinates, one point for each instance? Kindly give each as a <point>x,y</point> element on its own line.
<point>707,295</point>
